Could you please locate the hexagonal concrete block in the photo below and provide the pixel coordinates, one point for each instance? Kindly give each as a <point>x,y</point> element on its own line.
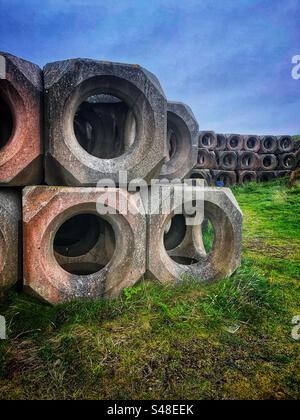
<point>222,210</point>
<point>130,108</point>
<point>286,144</point>
<point>207,140</point>
<point>21,151</point>
<point>247,176</point>
<point>182,142</point>
<point>252,143</point>
<point>66,221</point>
<point>10,224</point>
<point>226,178</point>
<point>269,144</point>
<point>202,174</point>
<point>235,142</point>
<point>206,159</point>
<point>287,161</point>
<point>221,142</point>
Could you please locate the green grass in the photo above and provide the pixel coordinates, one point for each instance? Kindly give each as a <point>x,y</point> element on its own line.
<point>228,340</point>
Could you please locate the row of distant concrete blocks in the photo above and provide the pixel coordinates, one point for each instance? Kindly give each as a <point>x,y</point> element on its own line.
<point>126,249</point>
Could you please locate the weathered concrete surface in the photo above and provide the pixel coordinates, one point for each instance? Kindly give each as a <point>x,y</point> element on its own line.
<point>227,161</point>
<point>202,174</point>
<point>46,209</point>
<point>182,138</point>
<point>70,83</point>
<point>229,178</point>
<point>268,162</point>
<point>247,176</point>
<point>206,159</point>
<point>207,140</point>
<point>269,144</point>
<point>286,144</point>
<point>21,90</point>
<point>222,210</point>
<point>235,142</point>
<point>221,142</point>
<point>10,223</point>
<point>287,161</point>
<point>248,161</point>
<point>252,143</point>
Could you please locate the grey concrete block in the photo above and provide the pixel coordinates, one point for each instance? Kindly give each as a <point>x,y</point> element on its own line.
<point>207,140</point>
<point>268,162</point>
<point>227,161</point>
<point>247,176</point>
<point>206,159</point>
<point>182,138</point>
<point>287,161</point>
<point>248,161</point>
<point>235,142</point>
<point>252,143</point>
<point>285,144</point>
<point>269,144</point>
<point>10,238</point>
<point>222,210</point>
<point>131,108</point>
<point>227,178</point>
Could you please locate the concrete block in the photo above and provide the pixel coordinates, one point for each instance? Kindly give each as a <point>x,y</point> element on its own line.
<point>227,161</point>
<point>286,144</point>
<point>206,159</point>
<point>235,142</point>
<point>268,162</point>
<point>228,178</point>
<point>10,224</point>
<point>204,174</point>
<point>131,109</point>
<point>221,142</point>
<point>252,143</point>
<point>269,144</point>
<point>266,176</point>
<point>248,161</point>
<point>99,255</point>
<point>182,138</point>
<point>247,176</point>
<point>222,210</point>
<point>21,153</point>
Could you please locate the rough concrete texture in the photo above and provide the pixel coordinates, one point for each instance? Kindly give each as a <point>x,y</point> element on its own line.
<point>206,159</point>
<point>247,176</point>
<point>252,143</point>
<point>235,142</point>
<point>227,161</point>
<point>182,135</point>
<point>221,142</point>
<point>21,90</point>
<point>202,174</point>
<point>130,107</point>
<point>207,140</point>
<point>222,210</point>
<point>268,162</point>
<point>269,144</point>
<point>286,144</point>
<point>248,161</point>
<point>228,178</point>
<point>10,223</point>
<point>287,161</point>
<point>266,176</point>
<point>121,263</point>
<point>283,174</point>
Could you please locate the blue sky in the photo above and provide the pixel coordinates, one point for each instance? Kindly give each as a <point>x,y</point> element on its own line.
<point>230,60</point>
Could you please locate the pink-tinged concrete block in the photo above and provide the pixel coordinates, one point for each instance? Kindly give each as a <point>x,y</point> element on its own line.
<point>21,153</point>
<point>10,224</point>
<point>63,257</point>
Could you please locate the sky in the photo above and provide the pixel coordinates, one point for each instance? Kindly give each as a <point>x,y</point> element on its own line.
<point>229,60</point>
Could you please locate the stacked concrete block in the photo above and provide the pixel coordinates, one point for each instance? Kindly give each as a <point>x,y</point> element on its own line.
<point>21,152</point>
<point>247,158</point>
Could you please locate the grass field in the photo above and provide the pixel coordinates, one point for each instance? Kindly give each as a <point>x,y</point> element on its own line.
<point>230,340</point>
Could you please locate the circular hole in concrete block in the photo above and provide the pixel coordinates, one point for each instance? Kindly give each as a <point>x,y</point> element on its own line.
<point>269,143</point>
<point>6,123</point>
<point>248,178</point>
<point>228,160</point>
<point>207,139</point>
<point>225,179</point>
<point>286,143</point>
<point>105,126</point>
<point>84,244</point>
<point>247,160</point>
<point>251,142</point>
